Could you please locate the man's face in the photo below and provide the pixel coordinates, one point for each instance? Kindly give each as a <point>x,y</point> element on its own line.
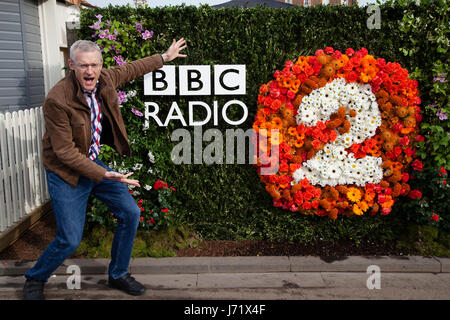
<point>87,66</point>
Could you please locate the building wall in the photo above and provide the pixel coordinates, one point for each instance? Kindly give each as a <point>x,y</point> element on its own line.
<point>21,69</point>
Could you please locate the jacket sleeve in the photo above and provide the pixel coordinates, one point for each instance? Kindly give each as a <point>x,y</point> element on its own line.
<point>59,129</point>
<point>135,69</point>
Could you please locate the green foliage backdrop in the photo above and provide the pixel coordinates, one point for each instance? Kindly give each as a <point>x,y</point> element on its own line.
<point>228,201</point>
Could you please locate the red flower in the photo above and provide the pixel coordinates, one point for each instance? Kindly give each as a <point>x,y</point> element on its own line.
<point>316,144</point>
<point>417,165</point>
<point>306,205</point>
<point>415,194</point>
<point>397,127</point>
<point>164,210</point>
<point>434,217</point>
<point>381,63</point>
<point>152,221</point>
<point>159,184</point>
<point>349,52</point>
<point>405,177</point>
<point>420,138</point>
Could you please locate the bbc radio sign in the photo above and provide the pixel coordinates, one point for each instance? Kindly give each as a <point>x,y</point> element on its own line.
<point>196,80</point>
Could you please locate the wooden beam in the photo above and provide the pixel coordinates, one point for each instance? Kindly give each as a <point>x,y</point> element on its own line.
<point>14,232</point>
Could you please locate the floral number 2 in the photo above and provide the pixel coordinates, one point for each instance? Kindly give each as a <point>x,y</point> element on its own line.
<point>347,124</point>
<point>333,165</point>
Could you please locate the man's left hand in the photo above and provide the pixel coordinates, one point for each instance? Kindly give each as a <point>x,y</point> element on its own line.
<point>174,50</point>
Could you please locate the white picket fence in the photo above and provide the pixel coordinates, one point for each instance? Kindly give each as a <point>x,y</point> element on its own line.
<point>23,185</point>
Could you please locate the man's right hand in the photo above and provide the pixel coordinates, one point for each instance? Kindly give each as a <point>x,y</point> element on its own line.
<point>111,175</point>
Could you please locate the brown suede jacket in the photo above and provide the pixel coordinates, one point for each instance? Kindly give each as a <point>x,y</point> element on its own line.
<point>67,139</point>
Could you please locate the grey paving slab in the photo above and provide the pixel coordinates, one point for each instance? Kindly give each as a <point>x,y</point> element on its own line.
<point>361,263</point>
<point>445,264</point>
<point>15,267</point>
<point>250,264</point>
<point>259,280</point>
<point>398,280</point>
<point>170,265</point>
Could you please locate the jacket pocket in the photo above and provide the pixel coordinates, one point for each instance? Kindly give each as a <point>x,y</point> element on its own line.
<point>80,138</point>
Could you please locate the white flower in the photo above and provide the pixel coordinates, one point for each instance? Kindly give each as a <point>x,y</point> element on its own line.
<point>151,157</point>
<point>308,116</point>
<point>148,187</point>
<point>137,166</point>
<point>131,93</point>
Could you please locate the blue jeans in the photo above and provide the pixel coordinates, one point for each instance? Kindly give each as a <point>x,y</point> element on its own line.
<point>69,207</point>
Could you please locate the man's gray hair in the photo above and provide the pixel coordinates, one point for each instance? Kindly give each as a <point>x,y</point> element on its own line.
<point>85,46</point>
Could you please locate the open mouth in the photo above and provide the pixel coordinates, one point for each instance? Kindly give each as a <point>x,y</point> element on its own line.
<point>89,81</point>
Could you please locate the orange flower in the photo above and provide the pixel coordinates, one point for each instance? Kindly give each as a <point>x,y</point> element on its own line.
<point>276,139</point>
<point>292,131</point>
<point>277,123</point>
<point>354,194</point>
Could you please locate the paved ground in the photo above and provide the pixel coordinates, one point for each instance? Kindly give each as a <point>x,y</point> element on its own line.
<point>247,278</point>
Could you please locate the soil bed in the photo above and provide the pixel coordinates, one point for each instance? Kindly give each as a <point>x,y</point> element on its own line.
<point>34,241</point>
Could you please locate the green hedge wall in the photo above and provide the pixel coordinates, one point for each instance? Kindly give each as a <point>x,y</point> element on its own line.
<point>228,201</point>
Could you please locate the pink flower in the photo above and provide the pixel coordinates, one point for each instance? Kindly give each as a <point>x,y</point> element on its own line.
<point>139,27</point>
<point>147,34</point>
<point>289,64</point>
<point>349,52</point>
<point>337,55</point>
<point>319,52</point>
<point>404,141</point>
<point>122,96</point>
<point>329,50</point>
<point>137,112</point>
<point>119,60</point>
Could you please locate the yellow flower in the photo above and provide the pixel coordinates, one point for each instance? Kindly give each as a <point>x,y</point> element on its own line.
<point>357,210</point>
<point>354,194</point>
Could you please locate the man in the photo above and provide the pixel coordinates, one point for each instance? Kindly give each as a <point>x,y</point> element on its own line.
<point>81,111</point>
